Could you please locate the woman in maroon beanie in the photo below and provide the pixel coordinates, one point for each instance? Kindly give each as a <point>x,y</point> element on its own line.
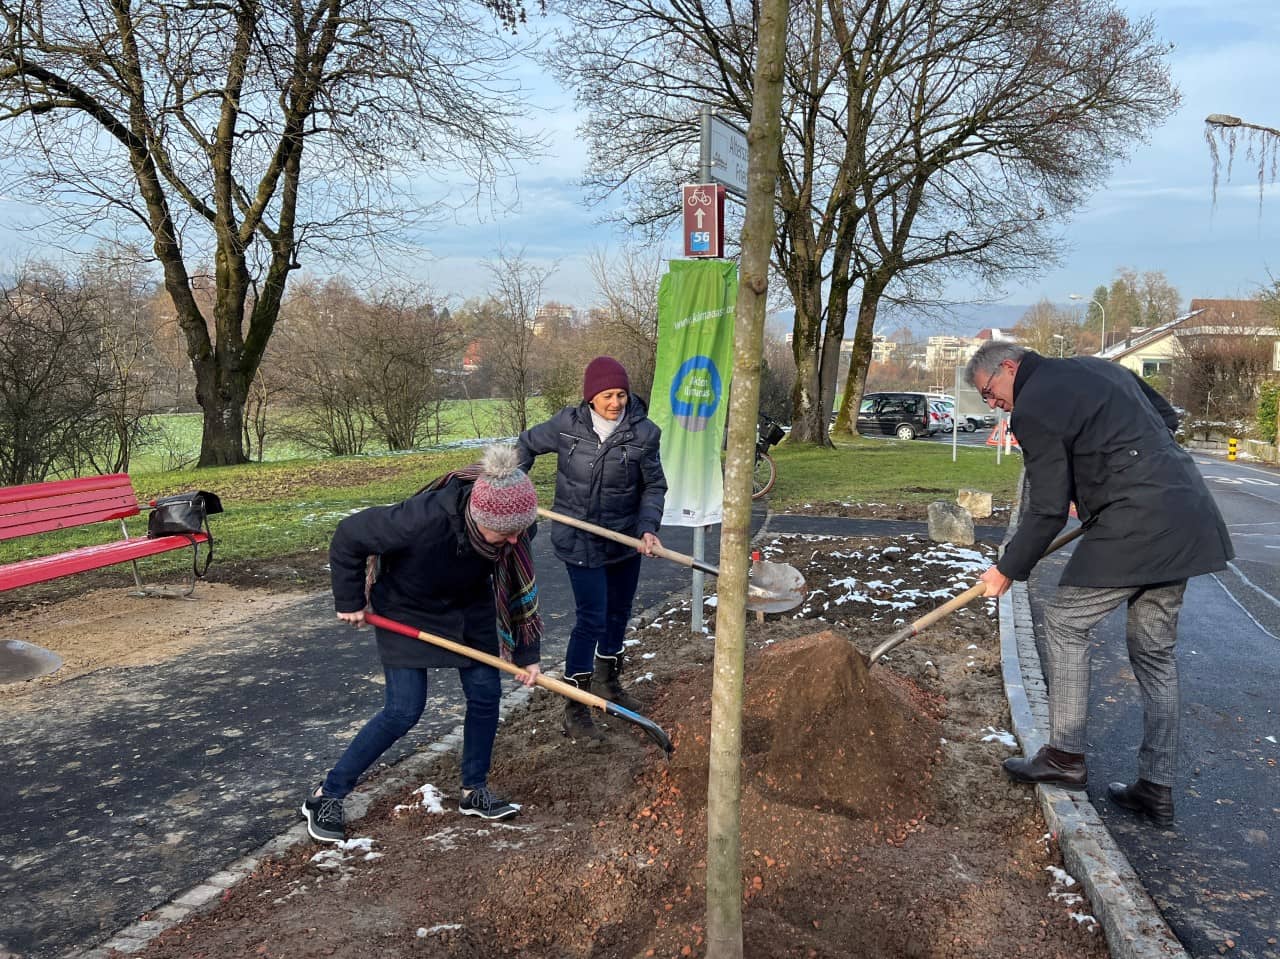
<point>608,472</point>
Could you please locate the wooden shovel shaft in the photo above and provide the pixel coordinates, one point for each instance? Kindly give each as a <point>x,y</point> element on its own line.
<point>617,537</point>
<point>756,592</point>
<point>568,690</point>
<point>951,605</point>
<point>546,682</point>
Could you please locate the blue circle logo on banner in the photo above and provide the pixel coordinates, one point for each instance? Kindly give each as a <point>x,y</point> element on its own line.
<point>695,393</point>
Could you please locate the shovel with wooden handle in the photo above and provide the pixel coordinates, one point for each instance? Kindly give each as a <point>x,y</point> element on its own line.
<point>654,731</point>
<point>778,587</point>
<point>951,605</point>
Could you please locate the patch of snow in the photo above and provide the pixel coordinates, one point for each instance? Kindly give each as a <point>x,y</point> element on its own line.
<point>1001,736</point>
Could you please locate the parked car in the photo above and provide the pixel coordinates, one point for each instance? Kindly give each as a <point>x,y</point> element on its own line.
<point>980,421</point>
<point>904,415</point>
<point>942,413</point>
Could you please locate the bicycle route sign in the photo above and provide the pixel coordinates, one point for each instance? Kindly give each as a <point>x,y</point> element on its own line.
<point>703,205</point>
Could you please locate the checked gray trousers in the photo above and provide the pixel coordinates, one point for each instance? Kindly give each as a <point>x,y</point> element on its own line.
<point>1151,629</point>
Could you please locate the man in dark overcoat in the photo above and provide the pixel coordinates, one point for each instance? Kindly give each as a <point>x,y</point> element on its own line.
<point>1095,434</point>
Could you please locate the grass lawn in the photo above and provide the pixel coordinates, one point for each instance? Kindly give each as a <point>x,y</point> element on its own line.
<point>864,471</point>
<point>174,438</point>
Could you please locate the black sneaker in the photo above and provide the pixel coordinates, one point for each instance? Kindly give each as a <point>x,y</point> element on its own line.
<point>324,818</point>
<point>480,802</point>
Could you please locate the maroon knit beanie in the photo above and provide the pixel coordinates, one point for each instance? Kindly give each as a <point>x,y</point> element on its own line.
<point>502,497</point>
<point>604,373</point>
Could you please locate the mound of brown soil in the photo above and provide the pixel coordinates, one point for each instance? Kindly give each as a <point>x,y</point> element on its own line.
<point>819,733</point>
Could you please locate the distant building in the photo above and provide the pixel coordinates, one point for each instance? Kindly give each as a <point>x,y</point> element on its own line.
<point>948,352</point>
<point>995,333</point>
<point>882,349</point>
<point>1151,352</point>
<point>552,316</point>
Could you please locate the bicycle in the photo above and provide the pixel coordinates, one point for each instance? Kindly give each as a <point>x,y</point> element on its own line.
<point>765,472</point>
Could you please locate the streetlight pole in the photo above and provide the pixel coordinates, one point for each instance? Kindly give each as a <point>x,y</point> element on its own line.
<point>1062,344</point>
<point>1101,309</point>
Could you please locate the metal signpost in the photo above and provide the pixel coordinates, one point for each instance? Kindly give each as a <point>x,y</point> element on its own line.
<point>722,169</point>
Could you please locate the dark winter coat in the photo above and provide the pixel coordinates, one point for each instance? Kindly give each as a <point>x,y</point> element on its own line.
<point>1092,432</point>
<point>429,577</point>
<point>617,484</point>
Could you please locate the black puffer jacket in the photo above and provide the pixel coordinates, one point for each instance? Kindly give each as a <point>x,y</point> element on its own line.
<point>429,578</point>
<point>617,484</point>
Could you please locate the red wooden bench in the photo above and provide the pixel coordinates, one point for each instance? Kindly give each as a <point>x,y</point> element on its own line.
<point>64,504</point>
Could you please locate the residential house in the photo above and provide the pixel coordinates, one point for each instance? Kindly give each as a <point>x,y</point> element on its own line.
<point>1151,352</point>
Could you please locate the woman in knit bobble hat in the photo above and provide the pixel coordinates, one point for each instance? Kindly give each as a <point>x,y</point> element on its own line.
<point>608,472</point>
<point>453,560</point>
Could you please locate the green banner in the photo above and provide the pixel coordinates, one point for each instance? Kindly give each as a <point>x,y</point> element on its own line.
<point>696,301</point>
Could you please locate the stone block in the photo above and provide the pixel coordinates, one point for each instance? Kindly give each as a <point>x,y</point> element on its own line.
<point>976,501</point>
<point>949,523</point>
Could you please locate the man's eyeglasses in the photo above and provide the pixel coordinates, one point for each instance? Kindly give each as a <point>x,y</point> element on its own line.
<point>985,392</point>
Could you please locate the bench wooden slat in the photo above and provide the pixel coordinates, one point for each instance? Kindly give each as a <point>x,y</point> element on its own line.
<point>56,488</point>
<point>81,560</point>
<point>63,504</point>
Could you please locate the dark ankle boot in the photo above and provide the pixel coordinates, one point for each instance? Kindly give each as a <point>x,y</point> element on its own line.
<point>1145,798</point>
<point>578,723</point>
<point>606,682</point>
<point>1050,766</point>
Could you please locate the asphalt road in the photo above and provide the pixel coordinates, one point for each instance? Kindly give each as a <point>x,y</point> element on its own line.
<point>1216,875</point>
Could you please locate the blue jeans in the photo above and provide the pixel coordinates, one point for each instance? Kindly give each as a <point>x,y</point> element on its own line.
<point>406,697</point>
<point>603,596</point>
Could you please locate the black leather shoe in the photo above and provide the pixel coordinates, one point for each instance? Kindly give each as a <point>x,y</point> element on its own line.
<point>1050,766</point>
<point>1145,798</point>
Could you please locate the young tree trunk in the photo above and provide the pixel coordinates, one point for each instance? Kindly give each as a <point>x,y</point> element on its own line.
<point>724,785</point>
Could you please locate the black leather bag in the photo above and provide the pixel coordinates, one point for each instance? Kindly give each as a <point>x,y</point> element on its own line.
<point>182,515</point>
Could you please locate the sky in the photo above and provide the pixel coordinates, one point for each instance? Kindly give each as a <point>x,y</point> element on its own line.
<point>1156,212</point>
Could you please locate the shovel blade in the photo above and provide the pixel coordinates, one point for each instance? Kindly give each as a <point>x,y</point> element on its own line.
<point>775,587</point>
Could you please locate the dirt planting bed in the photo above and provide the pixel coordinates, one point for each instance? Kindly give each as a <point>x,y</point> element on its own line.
<point>875,818</point>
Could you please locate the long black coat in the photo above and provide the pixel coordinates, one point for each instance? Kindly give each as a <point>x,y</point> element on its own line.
<point>430,578</point>
<point>617,484</point>
<point>1092,432</point>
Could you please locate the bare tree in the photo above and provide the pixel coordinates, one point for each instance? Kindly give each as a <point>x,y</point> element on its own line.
<point>316,355</point>
<point>627,288</point>
<point>724,775</point>
<point>919,138</point>
<point>257,410</point>
<point>507,328</point>
<point>52,387</point>
<point>1049,330</point>
<point>115,289</point>
<point>249,135</point>
<point>405,344</point>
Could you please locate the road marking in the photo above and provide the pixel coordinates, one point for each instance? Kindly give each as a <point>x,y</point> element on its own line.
<point>1252,585</point>
<point>1231,597</point>
<point>1242,480</point>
